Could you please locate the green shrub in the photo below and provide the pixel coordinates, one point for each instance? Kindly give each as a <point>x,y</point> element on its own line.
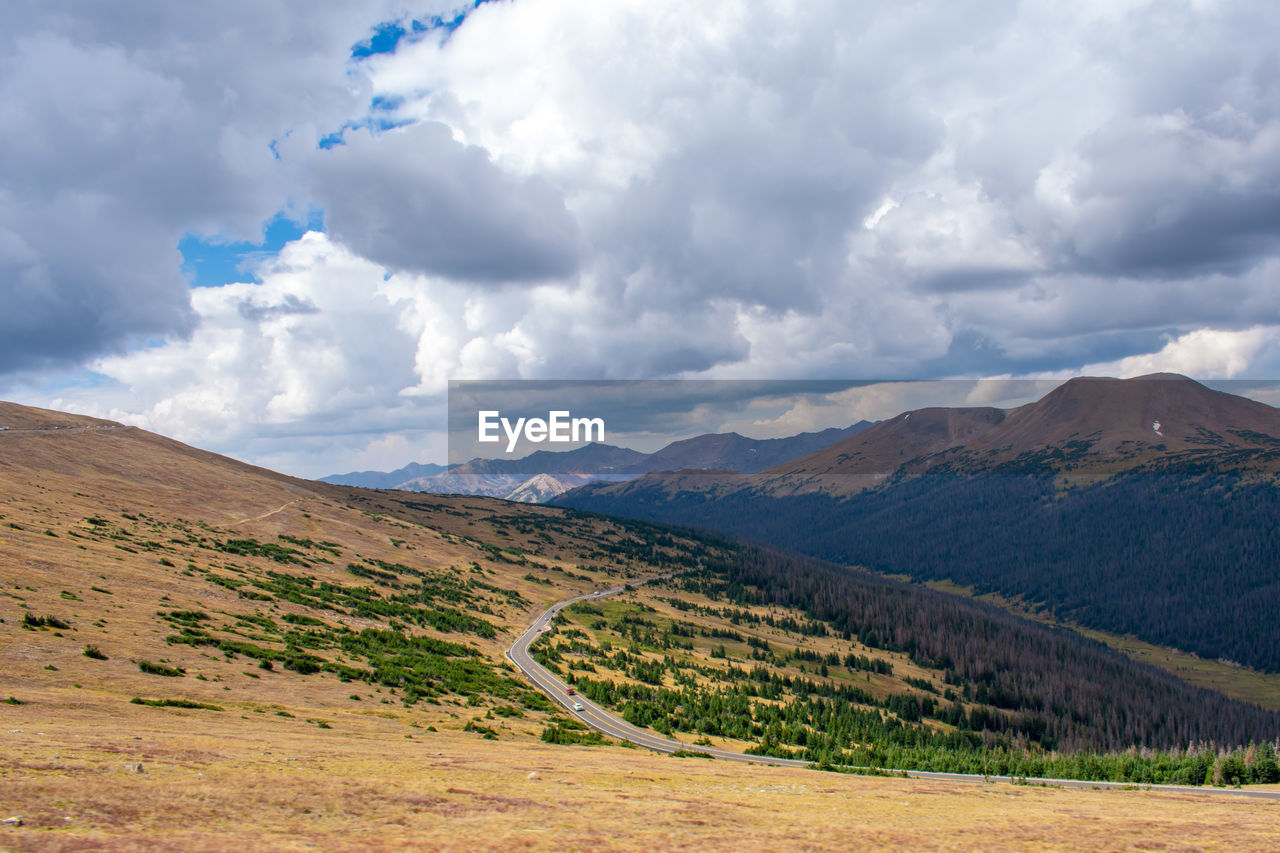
<point>302,665</point>
<point>572,732</point>
<point>160,669</point>
<point>31,622</point>
<point>173,703</point>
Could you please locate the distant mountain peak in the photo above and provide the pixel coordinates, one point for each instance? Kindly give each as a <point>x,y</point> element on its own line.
<point>1118,416</point>
<point>511,478</point>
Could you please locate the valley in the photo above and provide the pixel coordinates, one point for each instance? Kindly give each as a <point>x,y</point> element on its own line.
<point>286,659</point>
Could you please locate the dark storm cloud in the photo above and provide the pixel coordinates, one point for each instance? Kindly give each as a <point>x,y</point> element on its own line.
<point>1178,201</point>
<point>972,353</point>
<point>62,305</point>
<point>417,200</point>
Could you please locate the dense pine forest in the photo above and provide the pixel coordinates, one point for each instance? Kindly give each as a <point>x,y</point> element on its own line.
<point>1184,560</point>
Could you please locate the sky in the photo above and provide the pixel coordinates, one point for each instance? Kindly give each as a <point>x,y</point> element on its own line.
<point>278,230</point>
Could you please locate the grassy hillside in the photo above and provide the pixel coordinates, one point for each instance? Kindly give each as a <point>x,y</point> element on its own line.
<point>138,568</point>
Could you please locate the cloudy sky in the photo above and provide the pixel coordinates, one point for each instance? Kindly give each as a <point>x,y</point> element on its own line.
<point>277,230</point>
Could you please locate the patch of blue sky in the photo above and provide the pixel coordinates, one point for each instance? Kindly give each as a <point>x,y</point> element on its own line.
<point>388,35</point>
<point>386,103</point>
<point>213,262</point>
<point>377,124</point>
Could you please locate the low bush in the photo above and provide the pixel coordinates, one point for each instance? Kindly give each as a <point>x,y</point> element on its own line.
<point>160,669</point>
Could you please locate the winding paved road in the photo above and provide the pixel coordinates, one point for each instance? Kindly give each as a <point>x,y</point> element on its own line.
<point>607,723</point>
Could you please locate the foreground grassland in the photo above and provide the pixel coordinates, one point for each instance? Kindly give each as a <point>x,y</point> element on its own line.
<point>219,782</point>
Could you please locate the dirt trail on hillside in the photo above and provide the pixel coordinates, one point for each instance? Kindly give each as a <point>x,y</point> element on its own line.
<point>267,514</point>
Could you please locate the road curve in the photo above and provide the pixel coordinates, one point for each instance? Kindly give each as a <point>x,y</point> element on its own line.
<point>607,723</point>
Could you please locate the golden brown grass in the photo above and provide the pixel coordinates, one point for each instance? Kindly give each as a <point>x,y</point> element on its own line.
<point>216,782</point>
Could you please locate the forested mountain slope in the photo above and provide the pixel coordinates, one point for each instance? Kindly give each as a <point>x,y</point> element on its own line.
<point>1142,507</point>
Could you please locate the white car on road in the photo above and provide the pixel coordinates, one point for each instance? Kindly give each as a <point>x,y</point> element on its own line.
<point>577,706</point>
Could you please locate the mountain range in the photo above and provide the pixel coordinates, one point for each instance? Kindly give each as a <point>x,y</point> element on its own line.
<point>1085,426</point>
<point>1143,506</point>
<point>544,474</point>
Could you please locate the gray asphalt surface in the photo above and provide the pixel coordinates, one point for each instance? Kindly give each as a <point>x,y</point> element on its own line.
<point>607,723</point>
